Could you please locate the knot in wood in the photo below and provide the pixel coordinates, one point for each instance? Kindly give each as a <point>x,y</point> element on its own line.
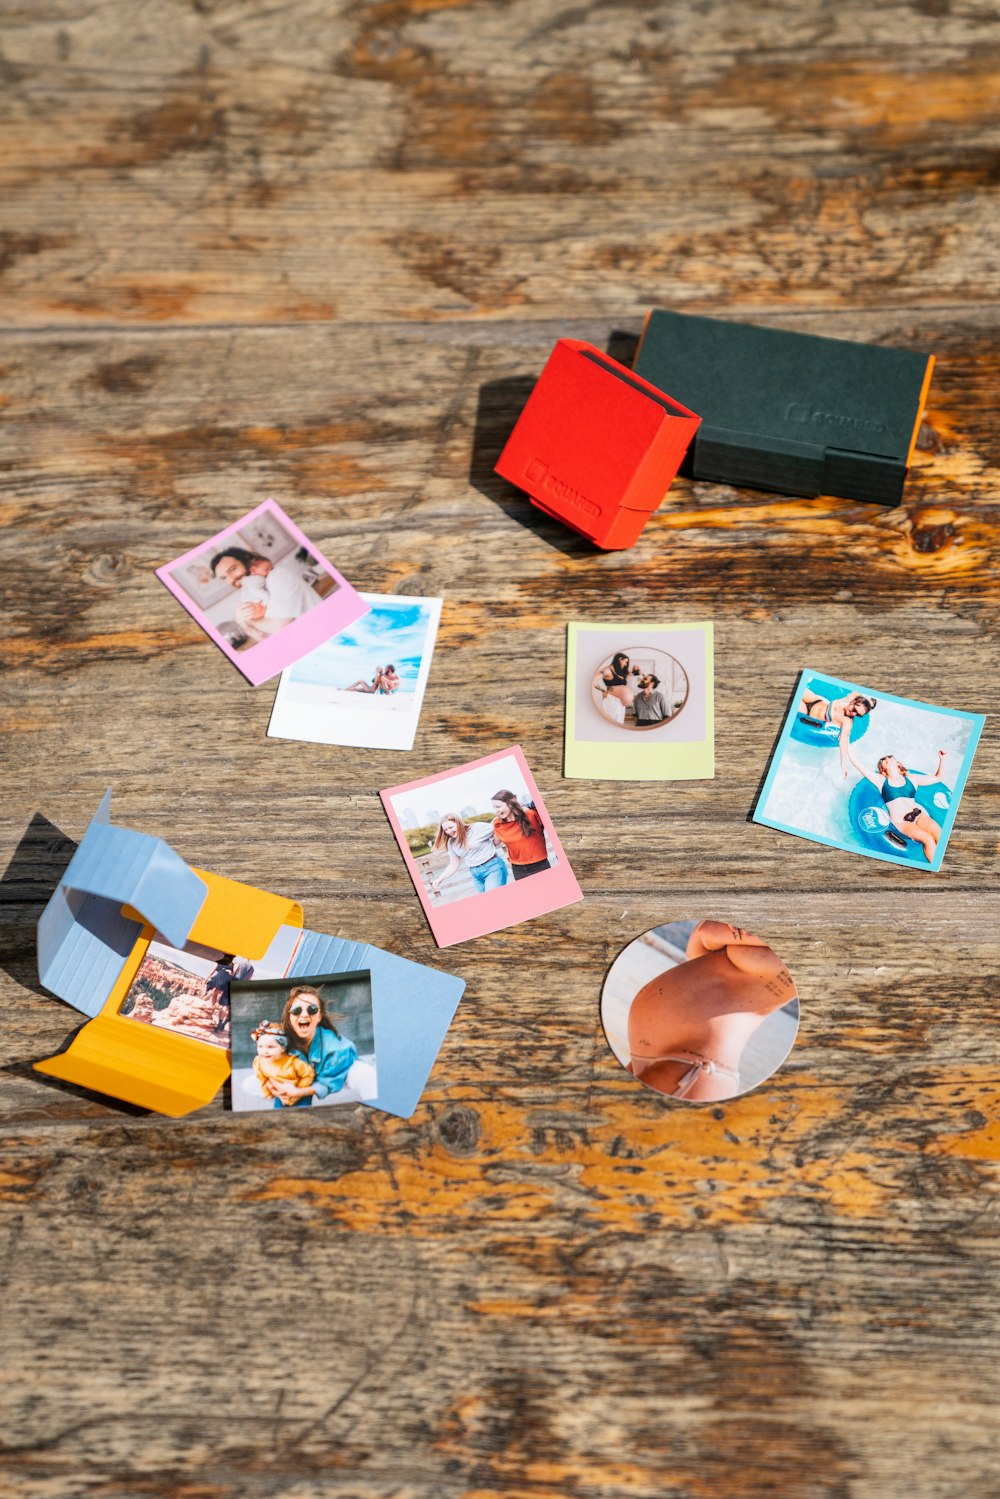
<point>928,440</point>
<point>933,530</point>
<point>458,1129</point>
<point>107,569</point>
<point>381,45</point>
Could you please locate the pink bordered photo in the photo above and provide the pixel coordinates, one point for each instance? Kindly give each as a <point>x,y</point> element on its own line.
<point>480,847</point>
<point>263,592</point>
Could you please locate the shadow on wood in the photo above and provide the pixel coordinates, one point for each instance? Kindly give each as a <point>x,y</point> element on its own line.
<point>73,1090</point>
<point>500,404</point>
<point>26,887</point>
<point>774,750</point>
<point>622,346</point>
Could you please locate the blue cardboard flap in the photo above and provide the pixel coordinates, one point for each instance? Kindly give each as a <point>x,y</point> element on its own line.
<point>83,937</point>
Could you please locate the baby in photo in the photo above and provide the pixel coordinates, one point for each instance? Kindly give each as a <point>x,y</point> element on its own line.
<point>263,592</point>
<point>271,595</point>
<point>253,586</point>
<point>293,1049</point>
<point>700,1010</point>
<point>275,1063</point>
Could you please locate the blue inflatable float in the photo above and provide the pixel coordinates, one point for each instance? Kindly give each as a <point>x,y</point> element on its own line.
<point>870,821</point>
<point>813,731</point>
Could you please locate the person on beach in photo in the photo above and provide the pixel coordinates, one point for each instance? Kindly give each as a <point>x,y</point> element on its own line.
<point>274,1063</point>
<point>897,787</point>
<point>312,1033</point>
<point>272,594</point>
<point>386,680</point>
<point>520,831</point>
<point>649,705</point>
<point>362,686</point>
<point>841,712</point>
<point>689,1026</point>
<point>470,844</point>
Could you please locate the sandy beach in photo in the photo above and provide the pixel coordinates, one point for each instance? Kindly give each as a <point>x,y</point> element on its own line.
<point>336,697</point>
<point>326,698</point>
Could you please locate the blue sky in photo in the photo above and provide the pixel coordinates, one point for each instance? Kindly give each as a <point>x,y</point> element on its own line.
<point>389,633</point>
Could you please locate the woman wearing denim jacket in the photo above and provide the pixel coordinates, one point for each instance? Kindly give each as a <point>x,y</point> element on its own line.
<point>312,1033</point>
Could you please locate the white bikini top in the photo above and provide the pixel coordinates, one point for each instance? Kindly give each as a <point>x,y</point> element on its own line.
<point>703,1068</point>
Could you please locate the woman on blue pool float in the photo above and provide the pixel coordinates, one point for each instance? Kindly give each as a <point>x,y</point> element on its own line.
<point>841,712</point>
<point>897,787</point>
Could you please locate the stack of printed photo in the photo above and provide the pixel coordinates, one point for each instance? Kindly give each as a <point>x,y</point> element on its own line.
<point>353,666</point>
<point>177,967</point>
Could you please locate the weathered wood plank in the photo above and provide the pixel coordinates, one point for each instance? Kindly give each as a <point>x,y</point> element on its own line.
<point>218,163</point>
<point>320,251</point>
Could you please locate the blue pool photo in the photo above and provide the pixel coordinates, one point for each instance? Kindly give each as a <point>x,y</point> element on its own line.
<point>868,772</point>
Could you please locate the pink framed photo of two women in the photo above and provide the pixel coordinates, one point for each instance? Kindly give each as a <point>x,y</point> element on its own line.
<point>480,847</point>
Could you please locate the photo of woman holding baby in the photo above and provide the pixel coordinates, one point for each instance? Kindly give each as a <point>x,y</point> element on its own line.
<point>312,1033</point>
<point>301,1044</point>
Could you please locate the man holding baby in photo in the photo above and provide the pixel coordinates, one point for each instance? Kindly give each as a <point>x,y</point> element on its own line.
<point>272,594</point>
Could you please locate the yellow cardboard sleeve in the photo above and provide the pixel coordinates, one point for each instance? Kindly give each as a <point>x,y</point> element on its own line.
<point>146,1064</point>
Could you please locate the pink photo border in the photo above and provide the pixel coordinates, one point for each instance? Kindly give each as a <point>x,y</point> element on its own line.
<point>494,910</point>
<point>269,657</point>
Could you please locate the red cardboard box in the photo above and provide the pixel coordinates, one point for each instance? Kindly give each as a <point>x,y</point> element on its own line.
<point>596,446</point>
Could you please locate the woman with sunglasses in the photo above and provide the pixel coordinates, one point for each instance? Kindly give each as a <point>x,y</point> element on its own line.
<point>312,1033</point>
<point>897,787</point>
<point>839,712</point>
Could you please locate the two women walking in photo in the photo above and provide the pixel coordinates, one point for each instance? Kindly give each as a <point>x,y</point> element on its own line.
<point>482,848</point>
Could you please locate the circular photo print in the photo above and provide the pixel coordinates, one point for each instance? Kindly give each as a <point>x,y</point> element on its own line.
<point>699,1010</point>
<point>640,689</point>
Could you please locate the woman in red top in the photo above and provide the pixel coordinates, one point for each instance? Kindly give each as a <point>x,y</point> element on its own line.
<point>520,830</point>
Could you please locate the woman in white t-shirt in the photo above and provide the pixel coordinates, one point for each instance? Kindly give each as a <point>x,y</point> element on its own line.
<point>470,844</point>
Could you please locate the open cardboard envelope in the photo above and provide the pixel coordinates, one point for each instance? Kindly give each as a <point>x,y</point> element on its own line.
<point>122,888</point>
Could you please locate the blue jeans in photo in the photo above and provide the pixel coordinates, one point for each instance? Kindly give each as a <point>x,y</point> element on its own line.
<point>489,876</point>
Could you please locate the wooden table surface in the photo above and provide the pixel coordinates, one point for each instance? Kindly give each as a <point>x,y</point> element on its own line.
<point>320,251</point>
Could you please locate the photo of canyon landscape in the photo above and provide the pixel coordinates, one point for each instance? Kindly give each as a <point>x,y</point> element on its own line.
<point>171,990</point>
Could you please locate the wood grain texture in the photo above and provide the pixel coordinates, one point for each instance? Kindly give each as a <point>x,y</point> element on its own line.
<point>320,251</point>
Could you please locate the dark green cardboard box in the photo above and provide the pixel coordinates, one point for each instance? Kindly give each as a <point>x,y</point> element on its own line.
<point>789,411</point>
